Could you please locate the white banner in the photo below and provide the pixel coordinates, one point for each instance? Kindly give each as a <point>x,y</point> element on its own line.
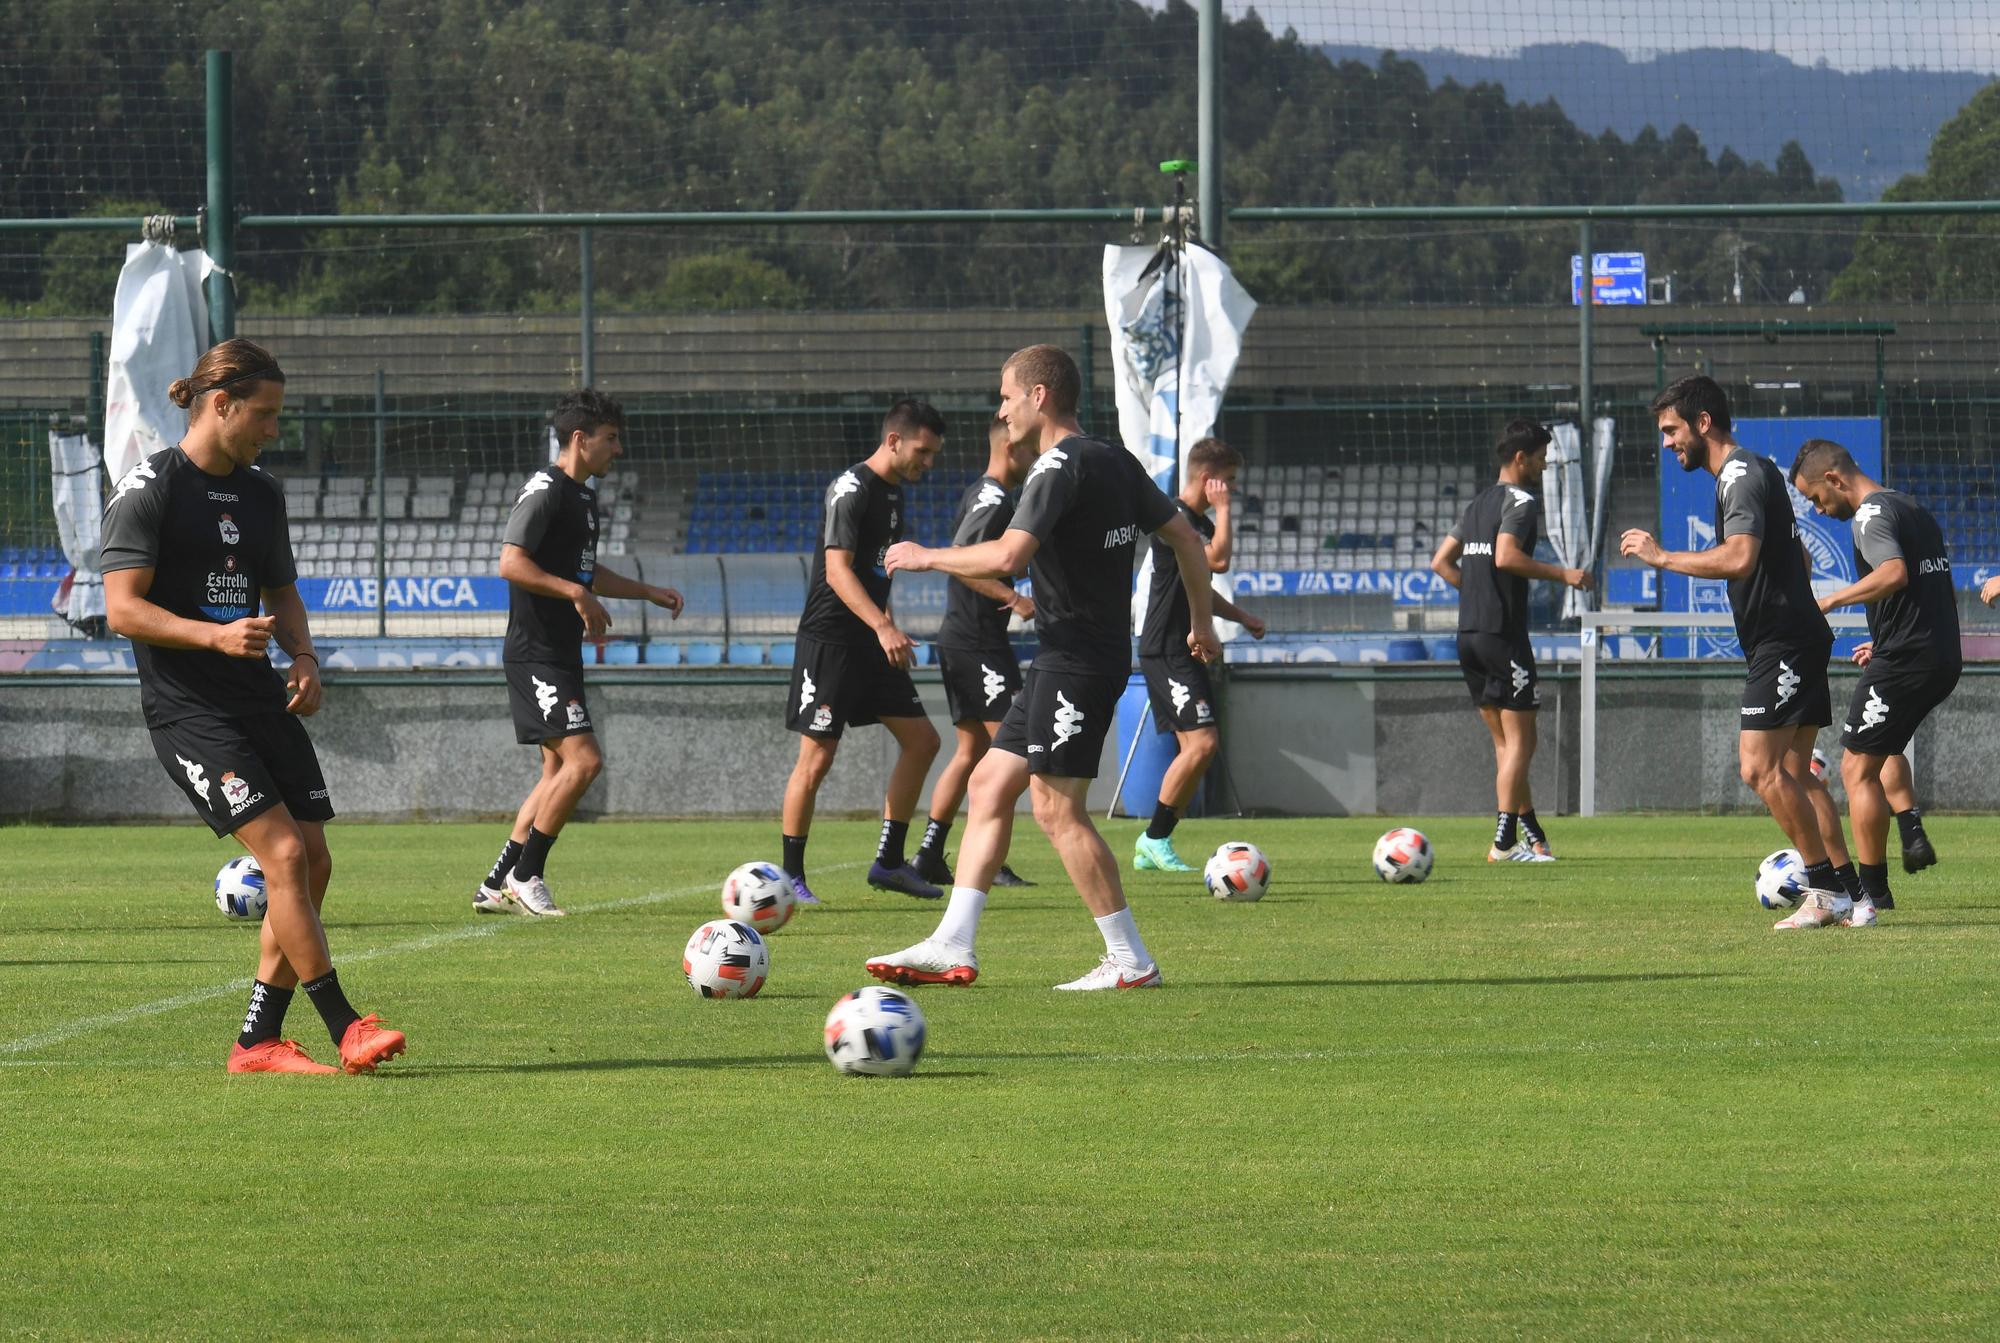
<point>159,327</point>
<point>1564,507</point>
<point>74,485</point>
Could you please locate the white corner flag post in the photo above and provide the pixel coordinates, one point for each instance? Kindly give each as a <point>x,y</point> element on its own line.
<point>1170,374</point>
<point>159,327</point>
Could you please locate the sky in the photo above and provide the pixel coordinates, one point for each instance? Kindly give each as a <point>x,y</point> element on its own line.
<point>1846,34</point>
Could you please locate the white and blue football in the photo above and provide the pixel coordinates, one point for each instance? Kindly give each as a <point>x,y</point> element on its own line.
<point>239,890</point>
<point>875,1032</point>
<point>1781,880</point>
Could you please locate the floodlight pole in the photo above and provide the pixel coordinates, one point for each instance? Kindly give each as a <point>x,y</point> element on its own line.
<point>219,221</point>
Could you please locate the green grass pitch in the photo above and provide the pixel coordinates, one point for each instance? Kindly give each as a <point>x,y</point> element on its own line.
<point>1595,1100</point>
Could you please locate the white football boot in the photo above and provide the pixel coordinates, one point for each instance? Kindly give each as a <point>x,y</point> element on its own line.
<point>491,900</point>
<point>1817,909</point>
<point>533,897</point>
<point>1862,915</point>
<point>1520,853</point>
<point>1107,975</point>
<point>928,962</point>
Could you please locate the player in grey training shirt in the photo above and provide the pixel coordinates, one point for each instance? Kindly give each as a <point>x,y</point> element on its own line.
<point>1912,659</point>
<point>548,556</point>
<point>1785,639</point>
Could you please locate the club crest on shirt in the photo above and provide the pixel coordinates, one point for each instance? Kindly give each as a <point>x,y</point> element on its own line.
<point>230,533</point>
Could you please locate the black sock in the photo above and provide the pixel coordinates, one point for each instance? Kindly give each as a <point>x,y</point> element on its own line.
<point>265,1020</point>
<point>1532,828</point>
<point>1503,831</point>
<point>1821,877</point>
<point>333,1006</point>
<point>504,864</point>
<point>1875,880</point>
<point>1910,825</point>
<point>534,857</point>
<point>889,849</point>
<point>1165,818</point>
<point>934,833</point>
<point>795,855</point>
<point>1849,881</point>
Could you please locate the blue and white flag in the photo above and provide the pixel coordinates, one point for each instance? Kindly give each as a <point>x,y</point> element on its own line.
<point>1164,365</point>
<point>159,327</point>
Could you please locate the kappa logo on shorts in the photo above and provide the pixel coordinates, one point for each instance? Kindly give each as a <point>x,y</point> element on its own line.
<point>1749,712</point>
<point>1178,693</point>
<point>1876,711</point>
<point>197,776</point>
<point>1069,719</point>
<point>992,682</point>
<point>545,696</point>
<point>319,795</point>
<point>806,690</point>
<point>1788,682</point>
<point>577,717</point>
<point>230,533</point>
<point>1521,676</point>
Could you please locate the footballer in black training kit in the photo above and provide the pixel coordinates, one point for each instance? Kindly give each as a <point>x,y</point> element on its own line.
<point>1489,556</point>
<point>195,546</point>
<point>1785,639</point>
<point>1911,661</point>
<point>851,664</point>
<point>1180,698</point>
<point>976,661</point>
<point>555,581</point>
<point>1083,509</point>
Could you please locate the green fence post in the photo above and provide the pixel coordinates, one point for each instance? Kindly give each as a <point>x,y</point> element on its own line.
<point>1086,366</point>
<point>587,316</point>
<point>381,512</point>
<point>220,243</point>
<point>1208,112</point>
<point>93,397</point>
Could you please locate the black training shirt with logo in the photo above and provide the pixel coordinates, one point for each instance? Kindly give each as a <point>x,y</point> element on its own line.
<point>214,544</point>
<point>864,516</point>
<point>973,621</point>
<point>1774,603</point>
<point>555,521</point>
<point>1918,623</point>
<point>1491,600</point>
<point>1164,631</point>
<point>1087,503</point>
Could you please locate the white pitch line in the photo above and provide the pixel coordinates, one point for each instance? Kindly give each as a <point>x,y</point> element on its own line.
<point>86,1025</point>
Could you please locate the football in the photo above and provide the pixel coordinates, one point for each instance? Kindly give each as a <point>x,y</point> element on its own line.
<point>875,1032</point>
<point>726,959</point>
<point>1781,879</point>
<point>759,894</point>
<point>1237,871</point>
<point>1403,855</point>
<point>239,890</point>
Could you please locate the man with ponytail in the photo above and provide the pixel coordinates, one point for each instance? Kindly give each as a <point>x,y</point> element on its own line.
<point>195,544</point>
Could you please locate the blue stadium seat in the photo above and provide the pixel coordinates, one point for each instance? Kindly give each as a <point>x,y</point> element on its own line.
<point>621,653</point>
<point>782,653</point>
<point>703,654</point>
<point>746,654</point>
<point>662,653</point>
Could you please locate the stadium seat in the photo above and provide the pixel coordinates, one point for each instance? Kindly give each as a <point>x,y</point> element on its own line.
<point>703,654</point>
<point>744,654</point>
<point>662,653</point>
<point>621,653</point>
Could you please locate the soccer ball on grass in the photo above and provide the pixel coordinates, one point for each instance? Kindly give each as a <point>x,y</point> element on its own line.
<point>726,959</point>
<point>1237,871</point>
<point>759,894</point>
<point>875,1032</point>
<point>1781,879</point>
<point>1403,855</point>
<point>239,890</point>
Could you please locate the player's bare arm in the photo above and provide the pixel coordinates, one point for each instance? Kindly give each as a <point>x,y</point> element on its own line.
<point>1510,556</point>
<point>302,682</point>
<point>1733,558</point>
<point>518,567</point>
<point>1887,577</point>
<point>1989,592</point>
<point>129,613</point>
<point>846,585</point>
<point>1444,561</point>
<point>1229,610</point>
<point>609,583</point>
<point>1216,491</point>
<point>1007,556</point>
<point>1192,557</point>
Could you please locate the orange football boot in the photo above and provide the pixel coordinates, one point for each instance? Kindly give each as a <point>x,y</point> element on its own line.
<point>274,1056</point>
<point>368,1042</point>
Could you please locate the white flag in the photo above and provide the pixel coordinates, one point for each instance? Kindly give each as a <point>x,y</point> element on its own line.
<point>159,327</point>
<point>79,509</point>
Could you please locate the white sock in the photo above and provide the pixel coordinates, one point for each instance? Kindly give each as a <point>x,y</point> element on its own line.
<point>960,923</point>
<point>1122,940</point>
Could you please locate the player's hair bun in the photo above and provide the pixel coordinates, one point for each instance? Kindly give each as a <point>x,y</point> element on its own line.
<point>181,392</point>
